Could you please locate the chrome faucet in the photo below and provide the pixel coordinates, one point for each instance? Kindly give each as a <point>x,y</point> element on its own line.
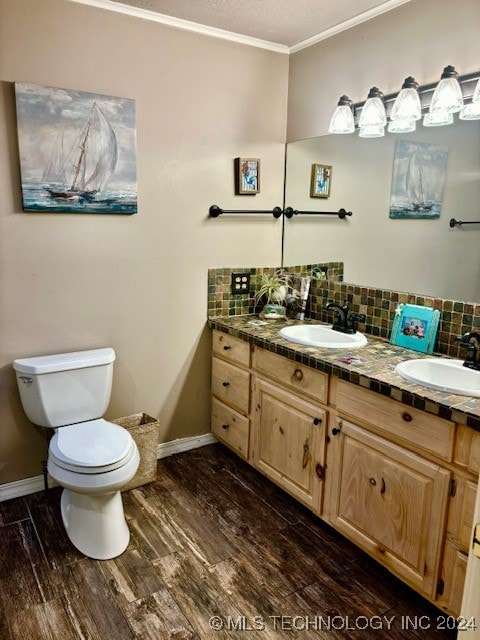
<point>344,322</point>
<point>471,341</point>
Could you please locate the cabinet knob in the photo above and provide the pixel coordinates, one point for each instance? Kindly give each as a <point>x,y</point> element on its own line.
<point>225,426</point>
<point>335,431</point>
<point>317,421</point>
<point>226,384</point>
<point>226,347</point>
<point>407,417</point>
<point>298,375</point>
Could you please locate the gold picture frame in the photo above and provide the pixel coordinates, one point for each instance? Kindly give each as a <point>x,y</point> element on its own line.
<point>321,181</point>
<point>247,176</point>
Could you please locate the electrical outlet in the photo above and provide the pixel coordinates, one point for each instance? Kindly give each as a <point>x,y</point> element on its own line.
<point>240,283</point>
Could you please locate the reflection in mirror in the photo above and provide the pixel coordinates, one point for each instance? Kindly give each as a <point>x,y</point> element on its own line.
<point>424,256</point>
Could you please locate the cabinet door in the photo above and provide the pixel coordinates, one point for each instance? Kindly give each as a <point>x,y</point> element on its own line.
<point>391,502</point>
<point>289,436</point>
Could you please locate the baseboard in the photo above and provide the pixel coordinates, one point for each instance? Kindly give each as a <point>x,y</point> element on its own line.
<point>27,486</point>
<point>166,449</point>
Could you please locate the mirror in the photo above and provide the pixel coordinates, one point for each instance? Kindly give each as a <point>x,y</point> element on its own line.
<point>422,256</point>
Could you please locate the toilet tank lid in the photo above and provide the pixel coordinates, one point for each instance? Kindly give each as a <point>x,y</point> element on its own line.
<point>64,361</point>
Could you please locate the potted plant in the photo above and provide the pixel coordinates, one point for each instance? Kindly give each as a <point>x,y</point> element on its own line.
<point>274,288</point>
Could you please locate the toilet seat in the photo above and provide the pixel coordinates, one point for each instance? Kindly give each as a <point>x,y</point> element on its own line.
<point>92,447</point>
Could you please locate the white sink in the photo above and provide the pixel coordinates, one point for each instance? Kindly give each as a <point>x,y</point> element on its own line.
<point>319,335</point>
<point>442,374</point>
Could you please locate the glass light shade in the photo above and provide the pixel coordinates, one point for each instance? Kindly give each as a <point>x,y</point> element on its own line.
<point>470,111</point>
<point>476,93</point>
<point>437,119</point>
<point>373,112</point>
<point>407,104</point>
<point>402,126</point>
<point>377,131</point>
<point>448,93</point>
<point>342,120</point>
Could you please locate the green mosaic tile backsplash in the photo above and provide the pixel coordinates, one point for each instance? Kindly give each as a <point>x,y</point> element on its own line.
<point>378,305</point>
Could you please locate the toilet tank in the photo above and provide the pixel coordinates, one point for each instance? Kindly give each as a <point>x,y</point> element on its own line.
<point>65,388</point>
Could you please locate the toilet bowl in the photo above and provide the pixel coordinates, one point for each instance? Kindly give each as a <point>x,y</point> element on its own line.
<point>92,459</point>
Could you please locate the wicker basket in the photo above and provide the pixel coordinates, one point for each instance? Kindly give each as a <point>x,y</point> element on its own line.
<point>144,430</point>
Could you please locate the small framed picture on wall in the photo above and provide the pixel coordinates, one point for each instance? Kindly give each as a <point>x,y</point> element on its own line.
<point>321,181</point>
<point>247,176</point>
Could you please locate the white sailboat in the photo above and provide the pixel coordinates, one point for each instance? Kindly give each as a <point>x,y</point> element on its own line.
<point>88,166</point>
<point>417,184</point>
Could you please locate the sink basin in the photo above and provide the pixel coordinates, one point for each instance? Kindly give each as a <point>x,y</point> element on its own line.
<point>319,335</point>
<point>442,374</point>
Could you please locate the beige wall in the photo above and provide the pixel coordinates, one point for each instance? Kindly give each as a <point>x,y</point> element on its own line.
<point>418,38</point>
<point>139,283</point>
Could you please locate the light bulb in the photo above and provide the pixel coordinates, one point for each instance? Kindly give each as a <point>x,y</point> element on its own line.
<point>342,120</point>
<point>448,93</point>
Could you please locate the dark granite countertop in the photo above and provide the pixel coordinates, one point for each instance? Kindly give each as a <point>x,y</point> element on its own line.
<point>372,366</point>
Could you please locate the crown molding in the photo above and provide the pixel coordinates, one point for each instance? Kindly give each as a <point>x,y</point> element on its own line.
<point>348,24</point>
<point>186,25</point>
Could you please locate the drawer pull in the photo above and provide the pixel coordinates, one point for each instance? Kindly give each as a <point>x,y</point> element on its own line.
<point>298,375</point>
<point>373,482</point>
<point>226,347</point>
<point>226,384</point>
<point>407,417</point>
<point>335,431</point>
<point>225,426</point>
<point>317,421</point>
<point>306,453</point>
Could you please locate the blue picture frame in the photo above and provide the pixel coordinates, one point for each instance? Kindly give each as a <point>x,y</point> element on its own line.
<point>415,327</point>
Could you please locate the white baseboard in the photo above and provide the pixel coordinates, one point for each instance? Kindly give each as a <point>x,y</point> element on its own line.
<point>27,486</point>
<point>166,449</point>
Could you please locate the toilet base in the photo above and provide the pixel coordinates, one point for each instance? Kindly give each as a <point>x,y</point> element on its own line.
<point>95,523</point>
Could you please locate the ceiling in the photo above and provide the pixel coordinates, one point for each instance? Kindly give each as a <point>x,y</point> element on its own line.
<point>283,22</point>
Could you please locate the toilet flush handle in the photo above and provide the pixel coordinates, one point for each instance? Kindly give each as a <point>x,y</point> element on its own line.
<point>26,379</point>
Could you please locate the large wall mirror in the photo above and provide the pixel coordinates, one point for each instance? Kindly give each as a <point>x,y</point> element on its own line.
<point>424,256</point>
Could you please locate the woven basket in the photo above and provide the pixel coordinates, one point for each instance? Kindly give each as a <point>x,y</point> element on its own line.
<point>144,430</point>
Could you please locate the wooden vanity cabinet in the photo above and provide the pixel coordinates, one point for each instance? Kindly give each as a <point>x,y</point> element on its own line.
<point>231,381</point>
<point>391,502</point>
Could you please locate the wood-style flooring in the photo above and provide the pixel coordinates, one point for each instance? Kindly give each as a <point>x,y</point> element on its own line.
<point>211,537</point>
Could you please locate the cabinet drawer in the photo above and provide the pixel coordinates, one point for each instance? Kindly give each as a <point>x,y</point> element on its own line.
<point>414,427</point>
<point>231,385</point>
<point>230,427</point>
<point>292,374</point>
<point>230,348</point>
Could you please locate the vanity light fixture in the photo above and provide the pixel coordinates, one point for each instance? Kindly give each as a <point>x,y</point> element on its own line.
<point>447,96</point>
<point>342,120</point>
<point>407,105</point>
<point>453,94</point>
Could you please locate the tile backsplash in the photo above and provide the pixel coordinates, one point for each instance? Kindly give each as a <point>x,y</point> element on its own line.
<point>378,305</point>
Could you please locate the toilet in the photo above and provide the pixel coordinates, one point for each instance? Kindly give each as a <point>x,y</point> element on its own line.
<point>92,459</point>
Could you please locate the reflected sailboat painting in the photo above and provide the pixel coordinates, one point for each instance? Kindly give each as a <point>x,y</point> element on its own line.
<point>419,170</point>
<point>77,151</point>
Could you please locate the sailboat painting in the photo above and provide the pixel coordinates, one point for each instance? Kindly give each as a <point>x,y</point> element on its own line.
<point>419,170</point>
<point>77,151</point>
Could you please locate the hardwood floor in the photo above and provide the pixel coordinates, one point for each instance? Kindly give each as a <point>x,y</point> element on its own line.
<point>211,537</point>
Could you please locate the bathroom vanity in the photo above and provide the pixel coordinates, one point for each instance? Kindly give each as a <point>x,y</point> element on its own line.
<point>393,468</point>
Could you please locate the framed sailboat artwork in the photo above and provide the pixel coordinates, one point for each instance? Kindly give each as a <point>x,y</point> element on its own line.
<point>77,151</point>
<point>419,170</point>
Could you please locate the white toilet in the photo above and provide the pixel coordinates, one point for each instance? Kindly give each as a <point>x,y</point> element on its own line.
<point>88,456</point>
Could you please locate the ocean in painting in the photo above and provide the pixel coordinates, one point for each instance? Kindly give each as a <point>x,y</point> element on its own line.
<point>36,198</point>
<point>77,151</point>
